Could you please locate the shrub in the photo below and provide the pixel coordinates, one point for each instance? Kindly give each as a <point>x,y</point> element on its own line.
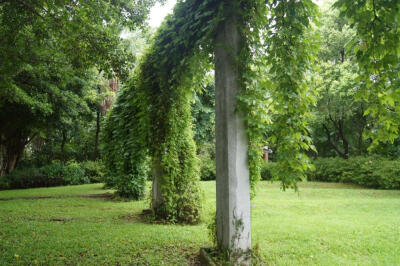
<point>267,169</point>
<point>31,178</point>
<point>4,183</point>
<point>207,162</point>
<point>53,170</point>
<point>54,174</point>
<point>94,170</point>
<point>373,172</point>
<point>207,168</point>
<point>73,174</point>
<point>110,180</point>
<point>131,186</point>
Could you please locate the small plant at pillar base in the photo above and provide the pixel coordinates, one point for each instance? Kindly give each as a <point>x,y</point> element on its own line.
<point>228,256</point>
<point>212,229</point>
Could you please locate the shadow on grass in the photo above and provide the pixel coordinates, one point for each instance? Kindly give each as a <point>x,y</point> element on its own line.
<point>91,196</point>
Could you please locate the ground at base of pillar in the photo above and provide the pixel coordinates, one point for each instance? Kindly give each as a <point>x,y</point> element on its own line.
<point>210,257</point>
<point>205,258</point>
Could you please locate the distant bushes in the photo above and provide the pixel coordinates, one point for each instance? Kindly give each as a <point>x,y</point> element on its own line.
<point>267,170</point>
<point>54,174</point>
<point>207,162</point>
<point>29,178</point>
<point>73,174</point>
<point>373,172</point>
<point>207,170</point>
<point>4,183</point>
<point>94,170</point>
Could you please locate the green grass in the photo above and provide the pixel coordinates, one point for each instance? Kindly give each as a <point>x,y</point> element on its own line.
<point>323,224</point>
<point>54,191</point>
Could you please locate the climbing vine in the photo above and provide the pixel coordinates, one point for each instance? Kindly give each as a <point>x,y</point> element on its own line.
<point>278,55</point>
<point>125,138</point>
<point>174,66</point>
<point>160,93</point>
<point>162,89</point>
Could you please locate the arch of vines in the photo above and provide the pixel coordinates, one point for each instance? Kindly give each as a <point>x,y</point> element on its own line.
<point>151,125</point>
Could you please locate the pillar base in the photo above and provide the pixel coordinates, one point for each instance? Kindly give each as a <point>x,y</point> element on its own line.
<point>207,258</point>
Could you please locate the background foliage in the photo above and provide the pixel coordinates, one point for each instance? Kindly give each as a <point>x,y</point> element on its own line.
<point>278,55</point>
<point>373,172</point>
<point>53,174</point>
<point>50,52</point>
<point>377,50</point>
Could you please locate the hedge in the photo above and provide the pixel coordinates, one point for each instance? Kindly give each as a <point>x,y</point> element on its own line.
<point>54,174</point>
<point>373,172</point>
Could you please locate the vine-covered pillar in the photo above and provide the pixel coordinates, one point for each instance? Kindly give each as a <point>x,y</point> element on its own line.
<point>233,183</point>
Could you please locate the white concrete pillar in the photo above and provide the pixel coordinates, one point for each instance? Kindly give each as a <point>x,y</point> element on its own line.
<point>233,184</point>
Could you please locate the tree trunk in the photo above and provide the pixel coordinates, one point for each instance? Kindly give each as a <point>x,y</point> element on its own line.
<point>363,120</point>
<point>13,150</point>
<point>339,127</point>
<point>335,147</point>
<point>344,139</point>
<point>64,139</point>
<point>14,159</point>
<point>342,55</point>
<point>360,142</point>
<point>96,141</point>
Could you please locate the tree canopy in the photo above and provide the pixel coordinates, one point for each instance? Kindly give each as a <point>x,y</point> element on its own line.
<point>48,51</point>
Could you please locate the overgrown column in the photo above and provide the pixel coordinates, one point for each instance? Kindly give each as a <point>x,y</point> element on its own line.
<point>233,183</point>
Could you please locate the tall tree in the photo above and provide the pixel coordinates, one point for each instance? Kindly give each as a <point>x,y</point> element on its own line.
<point>377,46</point>
<point>340,121</point>
<point>45,46</point>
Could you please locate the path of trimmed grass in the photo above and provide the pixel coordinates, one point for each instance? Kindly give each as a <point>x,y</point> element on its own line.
<point>324,224</point>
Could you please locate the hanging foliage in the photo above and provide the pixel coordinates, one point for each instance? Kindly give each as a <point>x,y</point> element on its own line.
<point>172,69</point>
<point>278,55</point>
<point>125,153</point>
<point>377,49</point>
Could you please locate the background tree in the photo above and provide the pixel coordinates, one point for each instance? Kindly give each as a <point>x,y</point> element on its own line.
<point>203,113</point>
<point>340,122</point>
<point>46,47</point>
<point>377,47</point>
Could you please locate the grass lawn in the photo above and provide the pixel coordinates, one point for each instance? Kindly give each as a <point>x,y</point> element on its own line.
<point>323,224</point>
